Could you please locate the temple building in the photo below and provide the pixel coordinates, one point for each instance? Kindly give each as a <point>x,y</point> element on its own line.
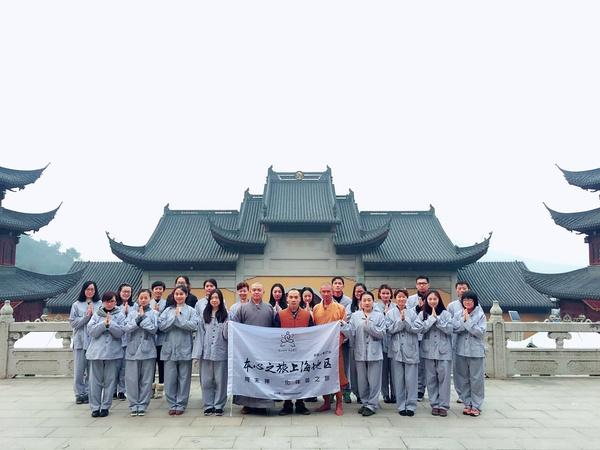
<point>578,291</point>
<point>27,291</point>
<point>299,232</point>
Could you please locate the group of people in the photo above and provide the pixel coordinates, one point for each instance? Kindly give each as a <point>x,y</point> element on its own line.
<point>392,344</point>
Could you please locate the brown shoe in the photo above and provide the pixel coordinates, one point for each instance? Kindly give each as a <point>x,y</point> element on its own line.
<point>435,411</point>
<point>172,412</point>
<point>245,410</point>
<point>178,412</point>
<point>326,406</point>
<point>443,412</point>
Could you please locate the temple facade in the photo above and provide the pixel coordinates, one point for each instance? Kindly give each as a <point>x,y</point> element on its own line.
<point>578,291</point>
<point>299,232</point>
<point>27,291</point>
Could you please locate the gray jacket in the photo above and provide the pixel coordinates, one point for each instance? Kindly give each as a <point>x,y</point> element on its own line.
<point>105,342</point>
<point>403,335</point>
<point>366,339</point>
<point>470,334</point>
<point>437,336</point>
<point>78,319</point>
<point>162,303</point>
<point>211,340</point>
<point>141,331</point>
<point>178,330</point>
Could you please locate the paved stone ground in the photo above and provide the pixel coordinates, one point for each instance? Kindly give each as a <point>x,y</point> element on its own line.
<point>531,413</point>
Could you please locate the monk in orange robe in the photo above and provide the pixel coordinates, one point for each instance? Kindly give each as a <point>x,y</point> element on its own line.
<point>325,312</point>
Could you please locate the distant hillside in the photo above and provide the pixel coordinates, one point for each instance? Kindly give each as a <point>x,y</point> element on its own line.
<point>44,257</point>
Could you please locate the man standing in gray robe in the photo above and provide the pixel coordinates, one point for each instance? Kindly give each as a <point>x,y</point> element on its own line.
<point>260,314</point>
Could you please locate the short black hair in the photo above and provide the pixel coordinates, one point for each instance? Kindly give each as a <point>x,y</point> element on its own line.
<point>158,283</point>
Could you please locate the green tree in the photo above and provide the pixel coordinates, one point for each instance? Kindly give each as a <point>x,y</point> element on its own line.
<point>44,257</point>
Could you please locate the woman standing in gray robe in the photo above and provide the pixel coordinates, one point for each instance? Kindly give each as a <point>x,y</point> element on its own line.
<point>140,354</point>
<point>82,310</point>
<point>104,353</point>
<point>178,322</point>
<point>260,314</point>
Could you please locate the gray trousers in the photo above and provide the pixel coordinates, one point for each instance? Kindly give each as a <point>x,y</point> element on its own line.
<point>369,382</point>
<point>353,378</point>
<point>387,378</point>
<point>139,375</point>
<point>81,370</point>
<point>437,374</point>
<point>214,384</point>
<point>469,374</point>
<point>346,352</point>
<point>422,383</point>
<point>121,374</point>
<point>103,379</point>
<point>405,381</point>
<point>178,376</point>
<point>455,379</point>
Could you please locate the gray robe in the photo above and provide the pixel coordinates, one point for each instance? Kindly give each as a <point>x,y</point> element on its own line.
<point>261,315</point>
<point>78,319</point>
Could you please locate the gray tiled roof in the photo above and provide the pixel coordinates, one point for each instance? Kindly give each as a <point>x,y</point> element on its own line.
<point>249,235</point>
<point>107,275</point>
<point>19,284</point>
<point>582,222</point>
<point>417,240</point>
<point>575,285</point>
<point>350,235</point>
<point>585,179</point>
<point>504,282</point>
<point>306,201</point>
<point>18,179</point>
<point>22,222</point>
<point>182,239</point>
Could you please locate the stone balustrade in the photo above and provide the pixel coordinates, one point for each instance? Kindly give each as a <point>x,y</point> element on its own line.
<point>501,362</point>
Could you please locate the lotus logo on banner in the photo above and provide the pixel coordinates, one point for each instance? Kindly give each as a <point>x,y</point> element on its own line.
<point>283,363</point>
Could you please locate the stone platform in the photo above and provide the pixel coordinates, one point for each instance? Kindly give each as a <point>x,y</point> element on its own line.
<point>520,413</point>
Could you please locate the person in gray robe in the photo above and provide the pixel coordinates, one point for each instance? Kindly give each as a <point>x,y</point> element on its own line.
<point>158,304</point>
<point>404,353</point>
<point>366,330</point>
<point>470,328</point>
<point>106,327</point>
<point>435,324</point>
<point>140,355</point>
<point>82,311</point>
<point>455,308</point>
<point>211,346</point>
<point>178,322</point>
<point>260,314</point>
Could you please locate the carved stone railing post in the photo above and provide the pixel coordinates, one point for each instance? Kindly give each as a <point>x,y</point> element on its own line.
<point>66,338</point>
<point>498,347</point>
<point>6,318</point>
<point>559,338</point>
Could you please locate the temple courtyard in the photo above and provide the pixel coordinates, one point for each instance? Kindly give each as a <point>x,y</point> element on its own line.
<point>520,413</point>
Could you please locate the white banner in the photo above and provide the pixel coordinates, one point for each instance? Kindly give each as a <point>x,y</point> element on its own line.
<point>283,363</point>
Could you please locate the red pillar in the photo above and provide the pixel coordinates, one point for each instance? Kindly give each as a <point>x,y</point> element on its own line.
<point>8,250</point>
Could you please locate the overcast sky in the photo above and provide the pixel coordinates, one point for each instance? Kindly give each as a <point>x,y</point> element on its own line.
<point>466,106</point>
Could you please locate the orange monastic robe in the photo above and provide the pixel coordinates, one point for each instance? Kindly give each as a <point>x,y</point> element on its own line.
<point>331,313</point>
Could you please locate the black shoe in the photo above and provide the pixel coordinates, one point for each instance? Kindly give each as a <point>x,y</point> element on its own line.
<point>103,412</point>
<point>85,399</point>
<point>218,412</point>
<point>311,399</point>
<point>209,411</point>
<point>410,413</point>
<point>360,410</point>
<point>393,399</point>
<point>115,396</point>
<point>78,400</point>
<point>301,409</point>
<point>367,412</point>
<point>402,413</point>
<point>386,399</point>
<point>420,396</point>
<point>121,395</point>
<point>358,400</point>
<point>95,413</point>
